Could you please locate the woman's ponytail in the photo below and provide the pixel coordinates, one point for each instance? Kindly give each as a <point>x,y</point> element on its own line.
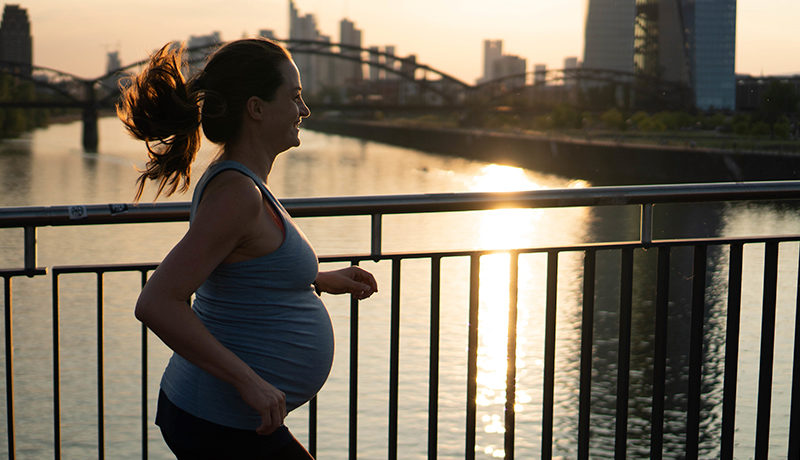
<point>161,109</point>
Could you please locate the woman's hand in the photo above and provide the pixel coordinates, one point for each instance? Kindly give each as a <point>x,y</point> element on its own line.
<point>351,280</point>
<point>267,400</point>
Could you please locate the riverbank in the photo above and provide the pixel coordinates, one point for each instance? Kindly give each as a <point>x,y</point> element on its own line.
<point>600,162</point>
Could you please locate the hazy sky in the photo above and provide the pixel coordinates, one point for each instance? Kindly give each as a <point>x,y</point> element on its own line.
<point>74,35</point>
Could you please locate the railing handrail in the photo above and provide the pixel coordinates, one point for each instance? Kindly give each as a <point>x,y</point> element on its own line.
<point>40,216</point>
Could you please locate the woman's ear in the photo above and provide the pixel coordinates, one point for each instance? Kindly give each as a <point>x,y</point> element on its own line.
<point>255,107</point>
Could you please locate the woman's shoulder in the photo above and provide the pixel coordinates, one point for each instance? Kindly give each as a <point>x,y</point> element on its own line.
<point>229,194</point>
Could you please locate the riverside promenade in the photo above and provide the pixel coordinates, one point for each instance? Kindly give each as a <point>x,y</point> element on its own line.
<point>598,162</point>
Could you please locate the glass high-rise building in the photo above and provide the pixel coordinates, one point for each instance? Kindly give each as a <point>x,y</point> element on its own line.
<point>691,42</point>
<point>713,53</point>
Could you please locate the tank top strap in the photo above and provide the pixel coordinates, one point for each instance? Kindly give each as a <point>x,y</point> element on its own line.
<point>221,166</point>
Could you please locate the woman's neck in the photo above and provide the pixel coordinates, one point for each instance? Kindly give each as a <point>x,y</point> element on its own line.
<point>257,161</point>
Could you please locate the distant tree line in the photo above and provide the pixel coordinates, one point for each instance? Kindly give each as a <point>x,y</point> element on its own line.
<point>778,117</point>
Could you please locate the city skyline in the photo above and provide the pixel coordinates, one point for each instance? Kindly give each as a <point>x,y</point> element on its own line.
<point>540,32</point>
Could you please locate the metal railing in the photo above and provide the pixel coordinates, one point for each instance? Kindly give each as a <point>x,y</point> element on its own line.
<point>31,218</point>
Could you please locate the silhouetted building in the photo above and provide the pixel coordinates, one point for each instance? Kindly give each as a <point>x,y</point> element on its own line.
<point>375,59</point>
<point>112,61</point>
<point>512,69</point>
<point>316,70</point>
<point>539,74</point>
<point>751,91</point>
<point>114,77</point>
<point>571,65</point>
<point>713,52</point>
<point>492,50</point>
<point>200,47</point>
<point>609,35</point>
<point>685,42</point>
<point>351,71</point>
<point>16,43</point>
<point>267,33</point>
<point>390,62</point>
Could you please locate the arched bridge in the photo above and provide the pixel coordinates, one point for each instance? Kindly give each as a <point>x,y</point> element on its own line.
<point>407,85</point>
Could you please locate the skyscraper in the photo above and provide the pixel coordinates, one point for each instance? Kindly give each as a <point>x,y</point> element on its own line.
<point>312,67</point>
<point>510,66</point>
<point>16,43</point>
<point>539,74</point>
<point>687,42</point>
<point>374,58</point>
<point>352,71</point>
<point>713,53</point>
<point>609,35</point>
<point>492,50</point>
<point>390,62</point>
<point>571,64</point>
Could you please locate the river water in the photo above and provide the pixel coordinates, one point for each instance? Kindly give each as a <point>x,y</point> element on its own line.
<point>48,167</point>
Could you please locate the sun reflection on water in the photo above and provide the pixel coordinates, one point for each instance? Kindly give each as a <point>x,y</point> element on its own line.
<point>498,229</point>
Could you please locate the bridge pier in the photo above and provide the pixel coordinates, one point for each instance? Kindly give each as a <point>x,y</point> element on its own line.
<point>90,131</point>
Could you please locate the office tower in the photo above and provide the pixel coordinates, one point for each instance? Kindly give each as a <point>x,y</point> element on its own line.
<point>16,43</point>
<point>684,42</point>
<point>513,67</point>
<point>660,41</point>
<point>375,60</point>
<point>390,62</point>
<point>539,74</point>
<point>310,65</point>
<point>492,50</point>
<point>113,79</point>
<point>713,53</point>
<point>408,66</point>
<point>112,61</point>
<point>352,71</point>
<point>692,43</point>
<point>570,67</point>
<point>609,35</point>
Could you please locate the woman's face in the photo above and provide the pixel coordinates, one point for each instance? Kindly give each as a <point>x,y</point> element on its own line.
<point>286,110</point>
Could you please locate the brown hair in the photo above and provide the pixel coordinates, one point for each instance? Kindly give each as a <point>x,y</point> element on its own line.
<point>165,111</point>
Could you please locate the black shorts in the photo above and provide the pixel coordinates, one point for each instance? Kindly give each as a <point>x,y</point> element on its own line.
<point>192,438</point>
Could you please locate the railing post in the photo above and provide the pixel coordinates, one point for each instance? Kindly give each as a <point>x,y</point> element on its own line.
<point>375,238</point>
<point>353,395</point>
<point>394,359</point>
<point>433,366</point>
<point>56,371</point>
<point>9,343</point>
<point>472,355</point>
<point>646,227</point>
<point>511,357</point>
<point>101,410</point>
<point>587,334</point>
<point>624,353</point>
<point>693,403</point>
<point>30,248</point>
<point>548,385</point>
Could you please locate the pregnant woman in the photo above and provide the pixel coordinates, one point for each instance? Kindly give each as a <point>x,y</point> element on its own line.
<point>257,341</point>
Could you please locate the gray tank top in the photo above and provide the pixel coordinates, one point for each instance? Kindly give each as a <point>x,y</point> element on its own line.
<point>264,310</point>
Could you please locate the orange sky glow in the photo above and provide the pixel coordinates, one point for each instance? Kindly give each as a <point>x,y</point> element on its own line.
<point>75,36</point>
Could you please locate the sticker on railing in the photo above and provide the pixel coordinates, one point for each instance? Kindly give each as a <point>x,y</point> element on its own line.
<point>78,212</point>
<point>118,208</point>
